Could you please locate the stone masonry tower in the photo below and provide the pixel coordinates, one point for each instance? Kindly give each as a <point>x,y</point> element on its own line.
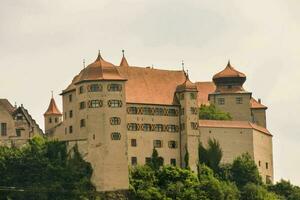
<point>99,109</point>
<point>187,95</point>
<point>52,116</point>
<point>230,96</point>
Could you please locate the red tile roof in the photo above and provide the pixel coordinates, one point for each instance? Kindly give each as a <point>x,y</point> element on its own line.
<point>229,71</point>
<point>7,105</point>
<point>256,105</point>
<point>232,124</point>
<point>204,88</point>
<point>52,109</point>
<point>187,85</point>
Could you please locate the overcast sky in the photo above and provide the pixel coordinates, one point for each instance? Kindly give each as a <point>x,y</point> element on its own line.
<point>43,43</point>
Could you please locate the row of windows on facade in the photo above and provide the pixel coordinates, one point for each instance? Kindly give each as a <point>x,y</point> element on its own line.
<point>266,164</point>
<point>159,127</point>
<point>238,100</point>
<point>193,96</point>
<point>134,161</point>
<point>172,144</point>
<point>159,111</point>
<point>3,130</point>
<point>97,88</point>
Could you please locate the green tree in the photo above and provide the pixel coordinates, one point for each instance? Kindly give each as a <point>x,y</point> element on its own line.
<point>285,189</point>
<point>252,191</point>
<point>210,156</point>
<point>244,170</point>
<point>210,112</point>
<point>156,161</point>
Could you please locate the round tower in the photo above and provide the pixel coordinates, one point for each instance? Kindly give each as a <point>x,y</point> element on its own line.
<point>52,116</point>
<point>187,95</point>
<point>99,116</point>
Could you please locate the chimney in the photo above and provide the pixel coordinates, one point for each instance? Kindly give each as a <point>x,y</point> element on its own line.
<point>259,100</point>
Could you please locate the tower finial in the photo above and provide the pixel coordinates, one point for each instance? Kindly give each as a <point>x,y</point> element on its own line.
<point>123,52</point>
<point>99,55</point>
<point>182,65</point>
<point>83,63</point>
<point>228,64</point>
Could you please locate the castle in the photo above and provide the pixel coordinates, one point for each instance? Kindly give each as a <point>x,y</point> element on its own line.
<point>117,115</point>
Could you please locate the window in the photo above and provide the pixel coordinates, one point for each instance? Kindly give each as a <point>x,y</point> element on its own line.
<point>133,143</point>
<point>82,123</point>
<point>71,113</point>
<point>239,100</point>
<point>157,143</point>
<point>172,112</point>
<point>133,160</point>
<point>132,127</point>
<point>194,125</point>
<point>193,95</point>
<point>19,117</point>
<point>18,132</point>
<point>221,101</point>
<point>159,128</point>
<point>194,110</point>
<point>259,163</point>
<point>172,144</point>
<point>70,98</point>
<point>159,111</point>
<point>50,120</point>
<point>95,88</point>
<point>115,120</point>
<point>172,128</point>
<point>95,103</point>
<point>267,165</point>
<point>82,105</point>
<point>115,136</point>
<point>56,119</point>
<point>114,87</point>
<point>148,160</point>
<point>173,161</point>
<point>81,89</point>
<point>70,129</point>
<point>146,127</point>
<point>147,111</point>
<point>132,110</point>
<point>114,103</point>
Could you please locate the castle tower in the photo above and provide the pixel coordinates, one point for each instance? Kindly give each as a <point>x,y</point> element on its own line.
<point>230,96</point>
<point>187,95</point>
<point>99,107</point>
<point>52,116</point>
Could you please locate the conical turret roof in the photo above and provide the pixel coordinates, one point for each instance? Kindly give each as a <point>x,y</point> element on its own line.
<point>187,85</point>
<point>52,109</point>
<point>124,62</point>
<point>229,72</point>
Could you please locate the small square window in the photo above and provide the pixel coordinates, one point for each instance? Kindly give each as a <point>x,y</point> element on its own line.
<point>173,161</point>
<point>18,132</point>
<point>116,136</point>
<point>157,143</point>
<point>82,123</point>
<point>267,165</point>
<point>172,144</point>
<point>133,161</point>
<point>81,89</point>
<point>50,120</point>
<point>133,143</point>
<point>239,100</point>
<point>56,119</point>
<point>82,105</point>
<point>221,101</point>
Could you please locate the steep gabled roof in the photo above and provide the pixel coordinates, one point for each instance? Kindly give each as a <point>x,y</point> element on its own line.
<point>52,108</point>
<point>7,105</point>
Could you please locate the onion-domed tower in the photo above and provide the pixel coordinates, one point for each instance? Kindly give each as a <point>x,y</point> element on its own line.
<point>187,95</point>
<point>230,96</point>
